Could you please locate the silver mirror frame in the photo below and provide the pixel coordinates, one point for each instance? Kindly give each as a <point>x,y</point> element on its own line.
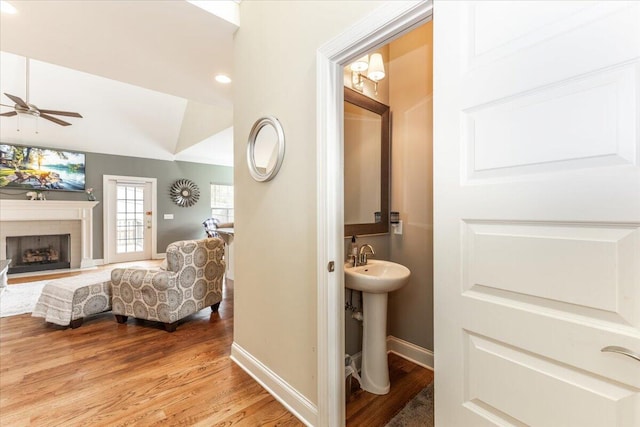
<point>251,143</point>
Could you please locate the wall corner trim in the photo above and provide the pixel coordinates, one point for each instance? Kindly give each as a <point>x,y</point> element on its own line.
<point>292,399</point>
<point>413,353</point>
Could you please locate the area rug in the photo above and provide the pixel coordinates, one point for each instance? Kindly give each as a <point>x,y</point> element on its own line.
<point>20,298</point>
<point>418,412</point>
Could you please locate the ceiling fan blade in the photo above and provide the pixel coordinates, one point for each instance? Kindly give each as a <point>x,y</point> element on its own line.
<point>5,105</point>
<point>55,120</point>
<point>17,100</point>
<point>9,114</point>
<point>61,113</point>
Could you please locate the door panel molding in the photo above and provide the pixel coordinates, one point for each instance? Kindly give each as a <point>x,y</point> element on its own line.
<point>537,213</point>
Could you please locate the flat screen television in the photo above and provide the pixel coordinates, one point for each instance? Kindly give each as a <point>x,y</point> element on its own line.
<point>36,168</point>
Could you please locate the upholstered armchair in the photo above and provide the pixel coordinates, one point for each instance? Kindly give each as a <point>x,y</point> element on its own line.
<point>192,281</point>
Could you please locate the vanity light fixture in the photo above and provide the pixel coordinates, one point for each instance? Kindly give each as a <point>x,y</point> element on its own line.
<point>374,67</point>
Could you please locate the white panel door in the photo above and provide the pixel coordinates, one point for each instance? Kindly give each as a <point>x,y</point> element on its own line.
<point>537,213</point>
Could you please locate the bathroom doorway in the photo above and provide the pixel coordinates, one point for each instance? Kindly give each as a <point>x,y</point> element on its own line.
<point>385,24</point>
<point>405,85</point>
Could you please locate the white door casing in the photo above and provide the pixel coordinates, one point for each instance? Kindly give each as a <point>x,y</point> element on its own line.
<point>110,186</point>
<point>389,21</point>
<point>537,213</point>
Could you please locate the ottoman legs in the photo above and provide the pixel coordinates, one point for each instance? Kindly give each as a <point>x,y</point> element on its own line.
<point>76,323</point>
<point>121,319</point>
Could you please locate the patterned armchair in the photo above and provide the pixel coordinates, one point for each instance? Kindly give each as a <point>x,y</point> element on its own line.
<point>192,281</point>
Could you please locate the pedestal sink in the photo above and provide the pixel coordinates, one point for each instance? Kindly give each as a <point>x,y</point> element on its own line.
<point>375,279</point>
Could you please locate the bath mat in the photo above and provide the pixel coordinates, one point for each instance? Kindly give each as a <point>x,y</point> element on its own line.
<point>418,412</point>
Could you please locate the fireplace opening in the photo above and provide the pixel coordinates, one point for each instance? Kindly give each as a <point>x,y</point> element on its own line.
<point>38,253</point>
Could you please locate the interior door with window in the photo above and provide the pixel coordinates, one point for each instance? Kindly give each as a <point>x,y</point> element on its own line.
<point>537,213</point>
<point>129,219</point>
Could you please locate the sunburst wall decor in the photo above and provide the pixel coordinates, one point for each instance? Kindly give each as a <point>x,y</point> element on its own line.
<point>184,193</point>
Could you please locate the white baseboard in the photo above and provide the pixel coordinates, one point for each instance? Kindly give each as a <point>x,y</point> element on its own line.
<point>293,400</point>
<point>411,352</point>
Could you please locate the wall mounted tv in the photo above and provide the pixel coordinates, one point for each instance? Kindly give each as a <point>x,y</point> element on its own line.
<point>36,168</point>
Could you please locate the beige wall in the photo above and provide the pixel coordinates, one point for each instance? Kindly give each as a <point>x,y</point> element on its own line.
<point>275,222</point>
<point>410,315</point>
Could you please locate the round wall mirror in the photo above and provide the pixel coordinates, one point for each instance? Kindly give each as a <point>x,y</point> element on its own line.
<point>265,148</point>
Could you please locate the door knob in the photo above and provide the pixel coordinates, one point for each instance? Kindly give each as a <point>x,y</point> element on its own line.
<point>621,350</point>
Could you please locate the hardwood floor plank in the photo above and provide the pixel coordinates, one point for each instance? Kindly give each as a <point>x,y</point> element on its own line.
<point>109,374</point>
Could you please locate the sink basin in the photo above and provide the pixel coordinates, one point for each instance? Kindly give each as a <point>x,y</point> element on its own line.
<point>376,277</point>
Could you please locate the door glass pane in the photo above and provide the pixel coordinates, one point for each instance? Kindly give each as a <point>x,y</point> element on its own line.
<point>130,219</point>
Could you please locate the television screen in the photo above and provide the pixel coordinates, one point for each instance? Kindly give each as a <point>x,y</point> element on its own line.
<point>34,168</point>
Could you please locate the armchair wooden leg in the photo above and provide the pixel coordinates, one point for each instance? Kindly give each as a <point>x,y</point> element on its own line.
<point>121,319</point>
<point>215,307</point>
<point>76,323</point>
<point>171,327</point>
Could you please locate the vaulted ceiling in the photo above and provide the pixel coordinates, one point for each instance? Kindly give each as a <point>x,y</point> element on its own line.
<point>140,72</point>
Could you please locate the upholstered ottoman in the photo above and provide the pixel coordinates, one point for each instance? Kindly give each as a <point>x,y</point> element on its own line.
<point>68,301</point>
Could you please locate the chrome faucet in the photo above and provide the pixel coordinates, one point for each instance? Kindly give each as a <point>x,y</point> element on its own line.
<point>362,258</point>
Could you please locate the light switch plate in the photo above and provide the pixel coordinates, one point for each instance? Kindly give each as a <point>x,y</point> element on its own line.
<point>168,216</point>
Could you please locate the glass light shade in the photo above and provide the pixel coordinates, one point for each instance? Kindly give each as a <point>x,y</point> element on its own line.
<point>7,8</point>
<point>222,78</point>
<point>361,64</point>
<point>376,68</point>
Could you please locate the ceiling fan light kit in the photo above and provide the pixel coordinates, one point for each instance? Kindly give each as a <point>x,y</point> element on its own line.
<point>24,107</point>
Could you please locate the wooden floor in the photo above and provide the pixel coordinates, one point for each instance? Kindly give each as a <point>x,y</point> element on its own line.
<point>106,374</point>
<point>370,410</point>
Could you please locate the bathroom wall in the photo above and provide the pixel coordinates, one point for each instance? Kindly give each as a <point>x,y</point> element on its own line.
<point>410,315</point>
<point>275,308</point>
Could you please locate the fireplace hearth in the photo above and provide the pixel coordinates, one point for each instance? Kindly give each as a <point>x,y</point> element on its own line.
<point>38,253</point>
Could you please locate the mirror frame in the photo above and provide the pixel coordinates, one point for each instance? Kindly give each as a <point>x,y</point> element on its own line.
<point>360,100</point>
<point>257,174</point>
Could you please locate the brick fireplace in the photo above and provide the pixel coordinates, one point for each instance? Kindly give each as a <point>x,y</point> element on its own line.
<point>50,217</point>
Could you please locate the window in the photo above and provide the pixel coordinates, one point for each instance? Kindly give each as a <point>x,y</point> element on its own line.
<point>222,202</point>
<point>130,218</point>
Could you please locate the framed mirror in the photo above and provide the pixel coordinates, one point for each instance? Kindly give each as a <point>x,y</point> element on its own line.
<point>367,143</point>
<point>265,148</point>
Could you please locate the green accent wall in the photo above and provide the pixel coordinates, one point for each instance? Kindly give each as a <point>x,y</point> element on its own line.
<point>187,222</point>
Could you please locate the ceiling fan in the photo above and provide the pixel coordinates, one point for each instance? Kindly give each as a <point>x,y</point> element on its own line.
<point>24,107</point>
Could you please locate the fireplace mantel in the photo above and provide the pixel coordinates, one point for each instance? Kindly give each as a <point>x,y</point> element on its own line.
<point>44,210</point>
<point>55,210</point>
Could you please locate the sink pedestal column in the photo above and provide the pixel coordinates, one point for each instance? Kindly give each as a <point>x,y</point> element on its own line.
<point>375,369</point>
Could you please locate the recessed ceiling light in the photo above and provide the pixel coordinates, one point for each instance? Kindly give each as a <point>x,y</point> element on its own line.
<point>5,7</point>
<point>221,78</point>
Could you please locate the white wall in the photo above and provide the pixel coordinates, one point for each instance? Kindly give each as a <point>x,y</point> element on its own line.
<point>275,223</point>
